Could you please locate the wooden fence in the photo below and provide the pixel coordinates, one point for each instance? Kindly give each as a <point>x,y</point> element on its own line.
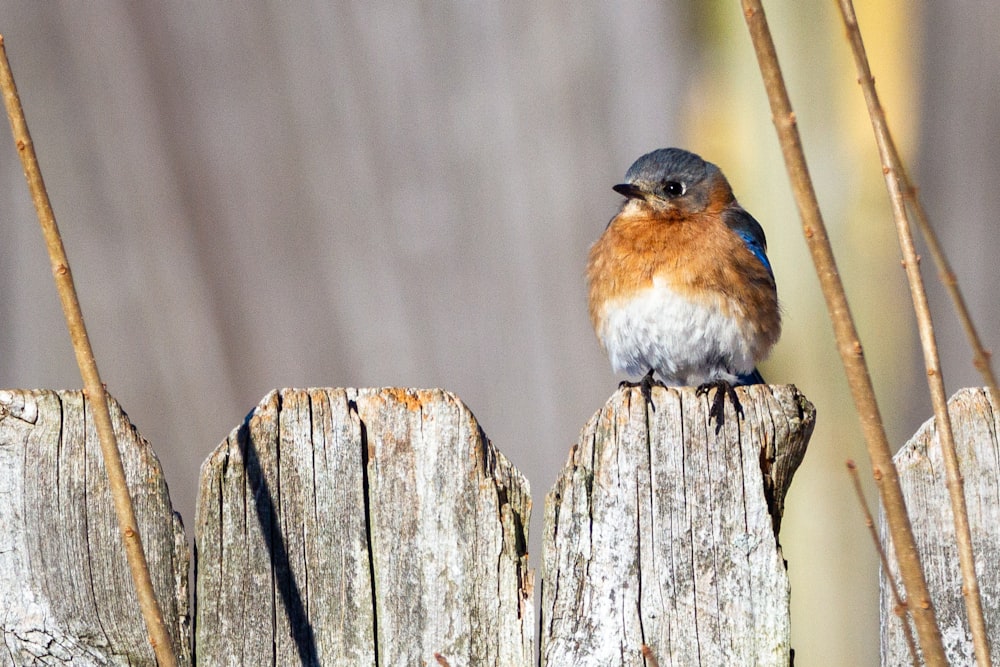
<point>381,527</point>
<point>975,421</point>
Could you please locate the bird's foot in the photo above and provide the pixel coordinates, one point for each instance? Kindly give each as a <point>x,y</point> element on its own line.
<point>645,386</point>
<point>717,410</point>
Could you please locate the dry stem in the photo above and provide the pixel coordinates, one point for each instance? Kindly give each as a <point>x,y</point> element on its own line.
<point>93,388</point>
<point>953,475</point>
<point>848,343</point>
<point>981,357</point>
<point>852,469</point>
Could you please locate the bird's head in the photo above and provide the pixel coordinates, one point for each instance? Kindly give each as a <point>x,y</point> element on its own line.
<point>674,180</point>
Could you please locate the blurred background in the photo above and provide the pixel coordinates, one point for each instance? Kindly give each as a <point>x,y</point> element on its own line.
<point>363,194</point>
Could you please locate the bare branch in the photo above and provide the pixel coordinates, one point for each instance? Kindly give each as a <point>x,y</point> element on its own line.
<point>852,470</point>
<point>848,342</point>
<point>928,342</point>
<point>159,638</point>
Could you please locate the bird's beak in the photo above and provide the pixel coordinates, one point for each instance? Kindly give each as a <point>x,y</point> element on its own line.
<point>629,190</point>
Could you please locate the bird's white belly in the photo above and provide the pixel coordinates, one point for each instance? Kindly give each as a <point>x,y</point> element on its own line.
<point>685,341</point>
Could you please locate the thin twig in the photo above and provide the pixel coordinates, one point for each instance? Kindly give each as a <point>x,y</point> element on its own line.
<point>925,326</point>
<point>981,357</point>
<point>852,470</point>
<point>93,388</point>
<point>845,332</point>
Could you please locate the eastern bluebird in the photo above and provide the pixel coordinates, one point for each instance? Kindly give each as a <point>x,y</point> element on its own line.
<point>679,282</point>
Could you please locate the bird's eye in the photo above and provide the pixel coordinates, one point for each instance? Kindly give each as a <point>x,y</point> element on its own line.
<point>673,188</point>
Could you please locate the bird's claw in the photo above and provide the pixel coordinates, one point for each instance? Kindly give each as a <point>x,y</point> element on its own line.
<point>717,410</point>
<point>645,386</point>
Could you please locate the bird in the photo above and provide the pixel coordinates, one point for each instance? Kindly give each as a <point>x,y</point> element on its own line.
<point>679,283</point>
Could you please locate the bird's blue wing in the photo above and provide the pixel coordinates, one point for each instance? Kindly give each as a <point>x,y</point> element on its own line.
<point>752,234</point>
<point>750,231</point>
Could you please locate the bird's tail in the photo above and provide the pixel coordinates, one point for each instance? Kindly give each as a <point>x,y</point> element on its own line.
<point>753,377</point>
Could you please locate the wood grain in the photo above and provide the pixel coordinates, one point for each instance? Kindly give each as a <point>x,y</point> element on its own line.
<point>349,526</point>
<point>65,590</point>
<point>659,533</point>
<point>975,423</point>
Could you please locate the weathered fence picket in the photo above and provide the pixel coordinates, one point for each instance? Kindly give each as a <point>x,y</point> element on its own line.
<point>66,596</point>
<point>362,527</point>
<point>660,533</point>
<point>975,420</point>
<point>380,526</point>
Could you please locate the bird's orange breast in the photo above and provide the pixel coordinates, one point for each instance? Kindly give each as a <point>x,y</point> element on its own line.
<point>698,256</point>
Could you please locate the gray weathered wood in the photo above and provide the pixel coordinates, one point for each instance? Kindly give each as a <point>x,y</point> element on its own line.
<point>658,533</point>
<point>66,596</point>
<point>975,422</point>
<point>340,525</point>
